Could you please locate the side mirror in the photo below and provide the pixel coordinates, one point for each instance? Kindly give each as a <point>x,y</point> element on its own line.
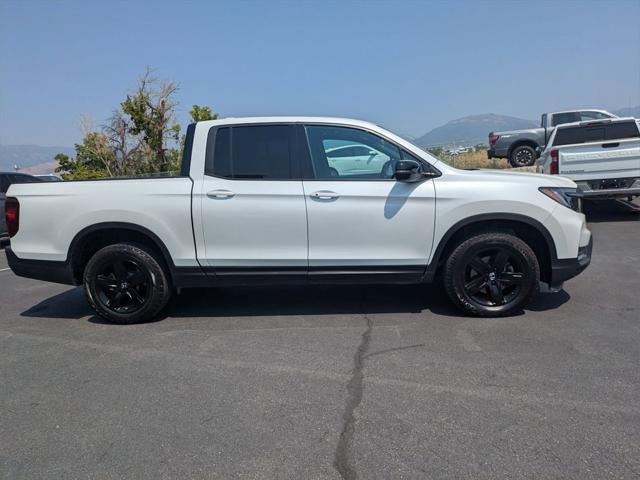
<point>408,171</point>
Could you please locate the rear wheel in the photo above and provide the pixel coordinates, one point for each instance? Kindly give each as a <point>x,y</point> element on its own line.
<point>126,284</point>
<point>492,274</point>
<point>522,156</point>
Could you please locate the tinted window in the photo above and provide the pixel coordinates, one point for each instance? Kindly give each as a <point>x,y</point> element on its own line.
<point>222,153</point>
<point>573,135</point>
<point>586,116</point>
<point>4,184</point>
<point>378,161</point>
<point>260,152</point>
<point>569,117</point>
<point>596,133</point>
<point>621,130</point>
<point>16,178</point>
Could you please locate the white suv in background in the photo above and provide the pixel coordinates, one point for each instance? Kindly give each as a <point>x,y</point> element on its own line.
<point>267,200</point>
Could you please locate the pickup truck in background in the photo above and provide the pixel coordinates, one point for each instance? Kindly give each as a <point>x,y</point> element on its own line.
<point>269,200</point>
<point>602,157</point>
<point>521,147</point>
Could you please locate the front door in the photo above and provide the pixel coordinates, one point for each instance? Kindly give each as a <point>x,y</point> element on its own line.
<point>253,207</point>
<point>361,220</point>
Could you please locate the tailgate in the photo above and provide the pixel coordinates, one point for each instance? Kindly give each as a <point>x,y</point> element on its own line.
<point>595,161</point>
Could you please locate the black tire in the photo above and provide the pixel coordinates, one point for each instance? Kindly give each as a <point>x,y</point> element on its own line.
<point>505,280</point>
<point>126,284</point>
<point>523,156</point>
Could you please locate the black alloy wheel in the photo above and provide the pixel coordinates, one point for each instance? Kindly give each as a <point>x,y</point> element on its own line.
<point>494,277</point>
<point>492,274</point>
<point>523,156</point>
<point>124,286</point>
<point>127,283</point>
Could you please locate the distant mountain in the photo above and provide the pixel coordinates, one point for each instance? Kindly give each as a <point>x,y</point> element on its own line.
<point>28,155</point>
<point>628,112</point>
<point>471,130</point>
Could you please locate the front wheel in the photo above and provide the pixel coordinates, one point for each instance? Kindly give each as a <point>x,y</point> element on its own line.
<point>126,284</point>
<point>523,156</point>
<point>492,275</point>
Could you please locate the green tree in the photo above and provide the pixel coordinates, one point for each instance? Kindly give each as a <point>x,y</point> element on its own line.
<point>199,113</point>
<point>142,137</point>
<point>151,109</point>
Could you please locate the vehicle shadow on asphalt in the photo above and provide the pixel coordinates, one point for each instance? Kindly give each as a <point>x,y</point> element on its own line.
<point>288,301</point>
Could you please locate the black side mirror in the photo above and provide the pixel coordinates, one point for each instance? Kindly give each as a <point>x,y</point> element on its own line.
<point>408,171</point>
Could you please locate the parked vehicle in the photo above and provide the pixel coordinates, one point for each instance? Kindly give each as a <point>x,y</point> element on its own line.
<point>602,157</point>
<point>520,146</point>
<point>49,177</point>
<point>6,179</point>
<point>355,158</point>
<point>258,202</point>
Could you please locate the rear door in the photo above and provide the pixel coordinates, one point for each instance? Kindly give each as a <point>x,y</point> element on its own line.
<point>364,221</point>
<point>253,207</point>
<point>606,150</point>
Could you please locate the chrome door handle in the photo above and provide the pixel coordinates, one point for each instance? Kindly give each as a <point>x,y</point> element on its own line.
<point>325,195</point>
<point>220,194</point>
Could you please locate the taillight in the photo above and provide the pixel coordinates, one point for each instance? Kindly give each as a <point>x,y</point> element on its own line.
<point>493,138</point>
<point>553,167</point>
<point>12,215</point>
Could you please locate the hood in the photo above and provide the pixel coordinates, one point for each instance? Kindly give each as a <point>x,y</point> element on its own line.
<point>538,179</point>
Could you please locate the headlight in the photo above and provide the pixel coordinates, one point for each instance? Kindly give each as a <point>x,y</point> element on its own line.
<point>569,197</point>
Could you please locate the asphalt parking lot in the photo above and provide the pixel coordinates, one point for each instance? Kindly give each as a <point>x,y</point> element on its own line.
<point>329,382</point>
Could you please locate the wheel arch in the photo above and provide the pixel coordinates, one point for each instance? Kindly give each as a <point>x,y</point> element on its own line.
<point>530,230</point>
<point>94,237</point>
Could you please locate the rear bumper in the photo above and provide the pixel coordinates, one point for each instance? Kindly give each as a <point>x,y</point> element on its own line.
<point>611,193</point>
<point>493,152</point>
<point>49,271</point>
<point>624,187</point>
<point>564,269</point>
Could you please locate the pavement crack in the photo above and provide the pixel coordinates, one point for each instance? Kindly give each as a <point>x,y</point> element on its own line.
<point>343,461</point>
<point>395,349</point>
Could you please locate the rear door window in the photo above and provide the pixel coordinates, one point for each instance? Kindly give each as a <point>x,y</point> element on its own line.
<point>251,152</point>
<point>568,117</point>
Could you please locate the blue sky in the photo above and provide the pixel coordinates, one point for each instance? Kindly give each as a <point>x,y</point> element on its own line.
<point>407,65</point>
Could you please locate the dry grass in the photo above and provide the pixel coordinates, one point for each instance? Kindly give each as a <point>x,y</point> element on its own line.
<point>475,160</point>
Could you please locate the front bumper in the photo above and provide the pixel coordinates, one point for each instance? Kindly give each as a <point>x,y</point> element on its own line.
<point>47,270</point>
<point>566,268</point>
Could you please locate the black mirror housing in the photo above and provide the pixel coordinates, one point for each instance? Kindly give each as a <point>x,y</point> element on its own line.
<point>408,171</point>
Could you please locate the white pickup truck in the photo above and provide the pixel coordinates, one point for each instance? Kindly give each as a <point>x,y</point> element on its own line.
<point>602,157</point>
<point>266,200</point>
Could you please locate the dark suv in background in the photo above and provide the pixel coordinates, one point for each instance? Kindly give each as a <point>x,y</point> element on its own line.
<point>6,179</point>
